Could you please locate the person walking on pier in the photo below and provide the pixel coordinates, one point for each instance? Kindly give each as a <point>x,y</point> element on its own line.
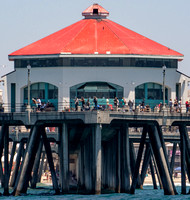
<point>187,106</point>
<point>116,103</point>
<point>170,105</point>
<point>76,104</point>
<point>39,103</point>
<point>95,103</point>
<point>83,103</point>
<point>130,104</point>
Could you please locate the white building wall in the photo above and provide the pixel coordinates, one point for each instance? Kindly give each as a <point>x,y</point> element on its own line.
<point>66,77</point>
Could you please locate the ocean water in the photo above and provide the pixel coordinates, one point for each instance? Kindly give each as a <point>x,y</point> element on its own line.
<point>46,193</point>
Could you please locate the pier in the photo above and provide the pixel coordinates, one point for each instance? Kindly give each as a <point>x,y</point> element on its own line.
<point>104,146</point>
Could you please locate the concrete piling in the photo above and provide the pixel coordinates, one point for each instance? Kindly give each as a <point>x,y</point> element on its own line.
<point>138,161</point>
<point>161,160</point>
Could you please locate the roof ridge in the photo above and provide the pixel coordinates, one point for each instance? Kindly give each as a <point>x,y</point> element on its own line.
<point>76,34</point>
<point>116,34</point>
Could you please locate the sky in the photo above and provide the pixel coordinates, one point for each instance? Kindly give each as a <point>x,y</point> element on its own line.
<point>25,21</point>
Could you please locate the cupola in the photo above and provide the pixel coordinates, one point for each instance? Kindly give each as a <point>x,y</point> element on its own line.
<point>95,11</point>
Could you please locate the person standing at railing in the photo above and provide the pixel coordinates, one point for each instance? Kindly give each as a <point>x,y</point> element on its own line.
<point>175,105</point>
<point>187,106</point>
<point>130,104</point>
<point>76,104</point>
<point>83,103</point>
<point>179,105</point>
<point>170,105</point>
<point>39,103</point>
<point>88,104</point>
<point>95,103</point>
<point>116,102</point>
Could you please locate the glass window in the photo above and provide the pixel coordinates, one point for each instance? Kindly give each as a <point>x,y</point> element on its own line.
<point>52,92</point>
<point>150,63</point>
<point>139,93</point>
<point>41,86</point>
<point>98,89</point>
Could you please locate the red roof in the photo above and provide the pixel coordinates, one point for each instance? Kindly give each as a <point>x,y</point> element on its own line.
<point>96,36</point>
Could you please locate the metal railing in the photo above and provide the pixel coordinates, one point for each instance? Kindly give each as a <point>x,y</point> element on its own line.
<point>70,107</point>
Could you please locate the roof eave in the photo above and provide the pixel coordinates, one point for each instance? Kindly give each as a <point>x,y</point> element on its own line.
<point>15,57</point>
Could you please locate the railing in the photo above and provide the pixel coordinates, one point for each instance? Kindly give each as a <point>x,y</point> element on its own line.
<point>70,106</point>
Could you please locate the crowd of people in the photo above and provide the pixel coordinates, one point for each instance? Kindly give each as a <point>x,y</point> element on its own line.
<point>123,105</point>
<point>42,106</point>
<point>85,105</point>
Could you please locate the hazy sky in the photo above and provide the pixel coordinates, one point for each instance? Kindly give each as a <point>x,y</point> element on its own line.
<point>25,21</point>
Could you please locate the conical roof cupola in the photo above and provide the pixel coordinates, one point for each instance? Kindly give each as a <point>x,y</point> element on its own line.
<point>95,11</point>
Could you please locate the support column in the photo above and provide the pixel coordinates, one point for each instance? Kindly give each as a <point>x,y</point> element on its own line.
<point>82,173</point>
<point>64,158</point>
<point>118,163</point>
<point>138,160</point>
<point>133,161</point>
<point>1,153</point>
<point>156,168</point>
<point>153,175</point>
<point>12,157</point>
<point>36,165</point>
<point>165,154</point>
<point>41,167</point>
<point>161,160</point>
<point>6,162</point>
<point>97,158</point>
<point>28,161</point>
<point>146,162</point>
<point>125,160</point>
<point>50,160</point>
<point>173,157</point>
<point>17,164</point>
<point>182,148</point>
<point>1,175</point>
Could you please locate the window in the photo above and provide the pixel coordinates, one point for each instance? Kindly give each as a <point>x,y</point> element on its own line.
<point>150,91</point>
<point>140,92</point>
<point>95,11</point>
<point>52,92</point>
<point>84,61</point>
<point>42,91</point>
<point>99,89</point>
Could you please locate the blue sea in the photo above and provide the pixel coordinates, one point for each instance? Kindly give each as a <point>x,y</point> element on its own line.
<point>148,193</point>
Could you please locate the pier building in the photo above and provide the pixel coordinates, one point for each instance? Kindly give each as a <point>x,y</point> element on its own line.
<point>94,57</point>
